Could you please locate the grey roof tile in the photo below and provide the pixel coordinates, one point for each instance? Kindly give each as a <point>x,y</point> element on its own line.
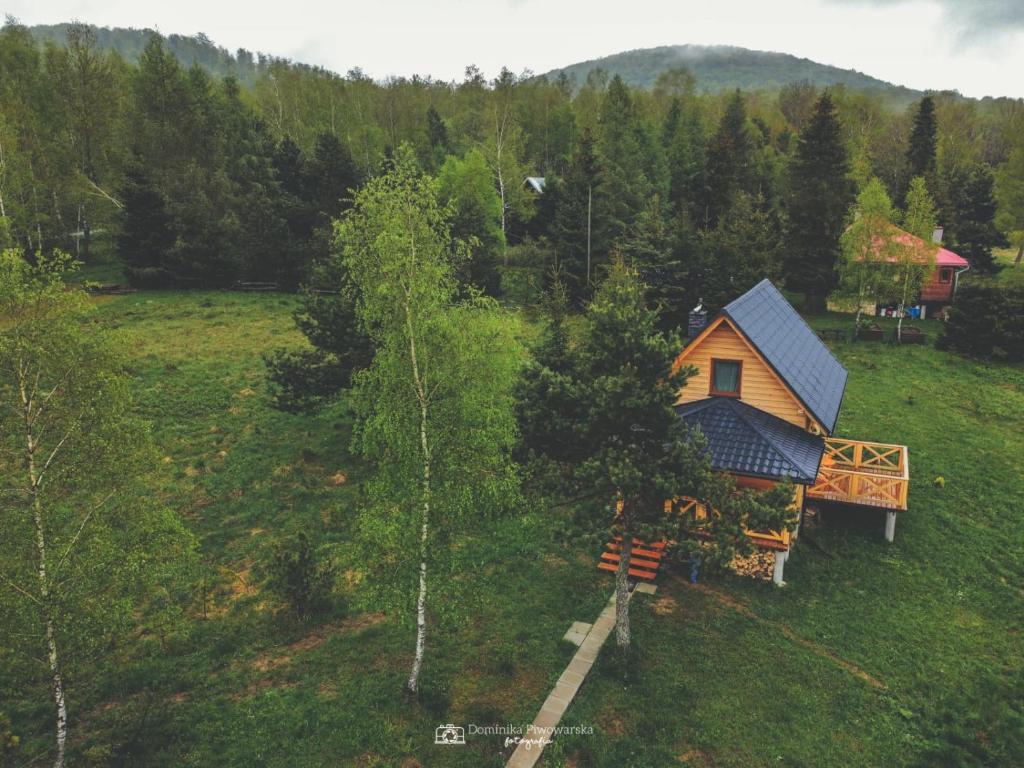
<point>748,441</point>
<point>789,346</point>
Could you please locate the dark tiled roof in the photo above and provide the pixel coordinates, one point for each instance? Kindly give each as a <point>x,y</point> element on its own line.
<point>748,441</point>
<point>792,349</point>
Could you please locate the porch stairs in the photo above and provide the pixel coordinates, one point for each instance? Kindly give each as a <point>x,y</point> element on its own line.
<point>645,559</point>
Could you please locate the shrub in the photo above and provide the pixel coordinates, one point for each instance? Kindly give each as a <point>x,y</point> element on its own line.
<point>987,321</point>
<point>299,578</point>
<point>8,742</point>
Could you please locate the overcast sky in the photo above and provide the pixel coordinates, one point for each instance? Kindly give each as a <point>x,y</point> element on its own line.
<point>975,46</point>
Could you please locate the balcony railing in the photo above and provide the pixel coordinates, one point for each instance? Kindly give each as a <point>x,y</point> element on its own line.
<point>868,474</point>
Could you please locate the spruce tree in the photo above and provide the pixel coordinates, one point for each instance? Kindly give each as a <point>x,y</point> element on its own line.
<point>437,138</point>
<point>729,161</point>
<point>743,249</point>
<point>577,232</point>
<point>146,236</point>
<point>819,195</point>
<point>921,149</point>
<point>974,212</point>
<point>685,157</point>
<point>628,160</point>
<point>332,174</point>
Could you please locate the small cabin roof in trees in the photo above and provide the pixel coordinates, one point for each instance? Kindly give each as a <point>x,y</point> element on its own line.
<point>940,286</point>
<point>535,184</point>
<point>767,390</point>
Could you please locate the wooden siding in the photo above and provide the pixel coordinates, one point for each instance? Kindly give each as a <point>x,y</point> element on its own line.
<point>760,386</point>
<point>937,291</point>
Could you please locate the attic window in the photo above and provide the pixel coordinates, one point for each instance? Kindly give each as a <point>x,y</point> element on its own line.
<point>725,377</point>
<point>945,275</point>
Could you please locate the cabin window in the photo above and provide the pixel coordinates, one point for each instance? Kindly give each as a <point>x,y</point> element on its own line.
<point>725,377</point>
<point>945,275</point>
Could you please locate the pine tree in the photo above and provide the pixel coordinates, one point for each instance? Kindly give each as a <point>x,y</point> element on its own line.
<point>819,195</point>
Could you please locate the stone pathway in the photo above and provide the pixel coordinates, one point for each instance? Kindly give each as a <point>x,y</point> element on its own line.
<point>541,730</point>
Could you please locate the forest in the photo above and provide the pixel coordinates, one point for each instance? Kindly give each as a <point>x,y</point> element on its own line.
<point>315,391</point>
<point>196,180</point>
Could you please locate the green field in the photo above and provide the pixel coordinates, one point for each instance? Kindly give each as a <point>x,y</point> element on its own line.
<point>908,654</point>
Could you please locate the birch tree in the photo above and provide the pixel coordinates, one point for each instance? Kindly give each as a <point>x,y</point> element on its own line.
<point>435,412</point>
<point>502,147</point>
<point>81,546</point>
<point>915,256</point>
<point>868,246</point>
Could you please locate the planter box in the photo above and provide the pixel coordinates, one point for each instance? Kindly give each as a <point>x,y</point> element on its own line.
<point>909,336</point>
<point>870,334</point>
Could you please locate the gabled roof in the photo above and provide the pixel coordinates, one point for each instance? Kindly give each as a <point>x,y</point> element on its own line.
<point>747,441</point>
<point>943,256</point>
<point>792,349</point>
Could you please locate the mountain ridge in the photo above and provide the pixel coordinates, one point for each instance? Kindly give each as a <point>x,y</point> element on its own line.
<point>722,67</point>
<point>715,67</point>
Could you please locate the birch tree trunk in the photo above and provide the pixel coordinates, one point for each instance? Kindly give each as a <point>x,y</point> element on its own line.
<point>903,304</point>
<point>53,657</point>
<point>422,398</point>
<point>622,632</point>
<point>501,192</point>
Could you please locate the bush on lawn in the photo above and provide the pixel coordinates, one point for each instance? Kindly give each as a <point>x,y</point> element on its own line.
<point>987,321</point>
<point>300,577</point>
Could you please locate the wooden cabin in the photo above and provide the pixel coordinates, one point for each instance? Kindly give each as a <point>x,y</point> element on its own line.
<point>767,395</point>
<point>939,289</point>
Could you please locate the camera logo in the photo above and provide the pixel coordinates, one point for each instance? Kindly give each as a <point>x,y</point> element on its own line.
<point>450,734</point>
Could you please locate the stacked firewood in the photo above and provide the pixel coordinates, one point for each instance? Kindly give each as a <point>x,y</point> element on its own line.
<point>758,565</point>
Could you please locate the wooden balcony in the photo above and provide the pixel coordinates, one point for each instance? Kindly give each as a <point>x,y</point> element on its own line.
<point>866,474</point>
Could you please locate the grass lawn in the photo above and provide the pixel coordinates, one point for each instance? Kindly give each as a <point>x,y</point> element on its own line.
<point>873,655</point>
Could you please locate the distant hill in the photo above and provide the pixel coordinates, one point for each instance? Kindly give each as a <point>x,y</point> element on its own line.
<point>188,49</point>
<point>716,68</point>
<point>722,67</point>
